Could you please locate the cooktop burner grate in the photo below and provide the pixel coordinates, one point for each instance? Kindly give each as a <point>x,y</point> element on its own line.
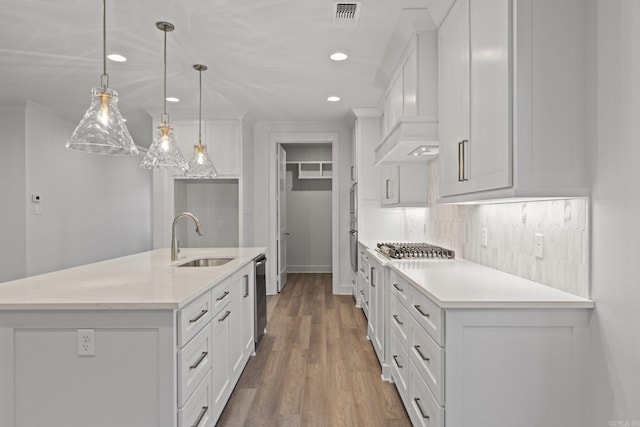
<point>415,250</point>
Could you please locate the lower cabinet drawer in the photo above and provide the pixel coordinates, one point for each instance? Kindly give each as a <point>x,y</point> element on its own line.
<point>198,410</point>
<point>428,358</point>
<point>428,315</point>
<point>424,409</point>
<point>194,362</point>
<point>400,320</point>
<point>399,365</point>
<point>193,317</point>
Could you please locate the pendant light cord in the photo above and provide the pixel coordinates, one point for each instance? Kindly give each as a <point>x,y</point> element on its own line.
<point>165,74</point>
<point>105,76</point>
<point>200,112</point>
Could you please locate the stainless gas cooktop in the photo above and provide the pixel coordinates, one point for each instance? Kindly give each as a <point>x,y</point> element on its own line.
<point>415,250</point>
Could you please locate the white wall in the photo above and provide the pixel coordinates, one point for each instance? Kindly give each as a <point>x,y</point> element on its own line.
<point>614,356</point>
<point>12,194</point>
<point>246,187</point>
<point>93,207</point>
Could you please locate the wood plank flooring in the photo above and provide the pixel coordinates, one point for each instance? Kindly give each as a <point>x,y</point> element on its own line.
<point>315,366</point>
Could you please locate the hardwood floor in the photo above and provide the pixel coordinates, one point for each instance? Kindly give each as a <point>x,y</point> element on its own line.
<point>315,366</point>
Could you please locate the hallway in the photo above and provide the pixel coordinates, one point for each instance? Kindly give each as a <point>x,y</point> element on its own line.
<point>315,366</point>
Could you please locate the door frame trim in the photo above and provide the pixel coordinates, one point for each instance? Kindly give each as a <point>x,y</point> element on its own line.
<point>333,138</point>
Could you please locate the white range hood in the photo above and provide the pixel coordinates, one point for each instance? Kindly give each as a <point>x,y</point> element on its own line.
<point>412,139</point>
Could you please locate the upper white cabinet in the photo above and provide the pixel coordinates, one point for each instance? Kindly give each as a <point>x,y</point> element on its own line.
<point>512,99</point>
<point>222,137</point>
<point>411,102</point>
<point>404,185</point>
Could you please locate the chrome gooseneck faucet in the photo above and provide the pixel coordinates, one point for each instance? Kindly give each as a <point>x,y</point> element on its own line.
<point>174,241</point>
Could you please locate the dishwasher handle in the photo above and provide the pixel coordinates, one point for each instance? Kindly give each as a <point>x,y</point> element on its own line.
<point>261,259</point>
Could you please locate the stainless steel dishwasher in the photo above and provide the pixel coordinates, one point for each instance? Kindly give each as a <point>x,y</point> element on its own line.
<point>260,314</point>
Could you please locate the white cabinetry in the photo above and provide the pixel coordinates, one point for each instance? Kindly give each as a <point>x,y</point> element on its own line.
<point>479,366</point>
<point>378,309</point>
<point>363,286</point>
<point>412,90</point>
<point>222,137</point>
<point>404,185</point>
<point>512,100</point>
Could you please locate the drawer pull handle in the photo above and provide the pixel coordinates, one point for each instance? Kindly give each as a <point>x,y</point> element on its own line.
<point>201,416</point>
<point>395,359</point>
<point>417,307</point>
<point>246,286</point>
<point>226,314</point>
<point>417,347</point>
<point>395,317</point>
<point>199,316</point>
<point>425,416</point>
<point>395,285</point>
<point>199,361</point>
<point>223,296</point>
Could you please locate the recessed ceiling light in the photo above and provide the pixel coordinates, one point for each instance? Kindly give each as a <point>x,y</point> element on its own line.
<point>173,99</point>
<point>338,56</point>
<point>116,58</point>
<point>333,99</point>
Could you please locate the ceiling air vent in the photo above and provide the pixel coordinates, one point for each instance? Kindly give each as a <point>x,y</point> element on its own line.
<point>346,14</point>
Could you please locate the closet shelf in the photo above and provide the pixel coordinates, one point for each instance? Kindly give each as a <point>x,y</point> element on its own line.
<point>313,169</point>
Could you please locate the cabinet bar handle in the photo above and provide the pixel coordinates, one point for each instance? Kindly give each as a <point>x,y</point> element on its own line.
<point>395,317</point>
<point>201,416</point>
<point>371,274</point>
<point>417,347</point>
<point>425,416</point>
<point>395,285</point>
<point>417,307</point>
<point>395,359</point>
<point>199,361</point>
<point>226,314</point>
<point>386,196</point>
<point>352,174</point>
<point>199,316</point>
<point>223,296</point>
<point>460,174</point>
<point>246,286</point>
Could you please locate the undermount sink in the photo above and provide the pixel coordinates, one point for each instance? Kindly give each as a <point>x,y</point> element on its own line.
<point>206,262</point>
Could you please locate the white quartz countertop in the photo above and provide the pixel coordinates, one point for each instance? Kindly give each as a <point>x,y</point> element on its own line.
<point>148,280</point>
<point>462,284</point>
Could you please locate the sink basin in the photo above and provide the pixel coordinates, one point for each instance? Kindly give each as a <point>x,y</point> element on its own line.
<point>206,262</point>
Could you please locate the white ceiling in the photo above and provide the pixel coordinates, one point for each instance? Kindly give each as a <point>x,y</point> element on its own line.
<point>267,58</point>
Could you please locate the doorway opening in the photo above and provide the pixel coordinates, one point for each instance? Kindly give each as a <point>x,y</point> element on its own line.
<point>304,211</point>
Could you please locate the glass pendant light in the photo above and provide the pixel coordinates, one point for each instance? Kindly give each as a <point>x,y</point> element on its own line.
<point>200,165</point>
<point>164,151</point>
<point>102,129</point>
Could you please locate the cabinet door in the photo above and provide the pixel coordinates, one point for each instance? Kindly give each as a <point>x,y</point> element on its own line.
<point>453,38</point>
<point>489,162</point>
<point>236,345</point>
<point>393,103</point>
<point>220,380</point>
<point>224,140</point>
<point>248,315</point>
<point>390,185</point>
<point>410,85</point>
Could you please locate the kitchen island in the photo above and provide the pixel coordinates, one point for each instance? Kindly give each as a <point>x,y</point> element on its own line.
<point>136,340</point>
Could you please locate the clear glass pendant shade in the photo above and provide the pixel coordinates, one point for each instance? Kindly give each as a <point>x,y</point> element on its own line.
<point>102,130</point>
<point>201,165</point>
<point>164,151</point>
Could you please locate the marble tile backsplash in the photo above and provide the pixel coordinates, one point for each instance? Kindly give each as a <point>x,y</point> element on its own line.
<point>511,230</point>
